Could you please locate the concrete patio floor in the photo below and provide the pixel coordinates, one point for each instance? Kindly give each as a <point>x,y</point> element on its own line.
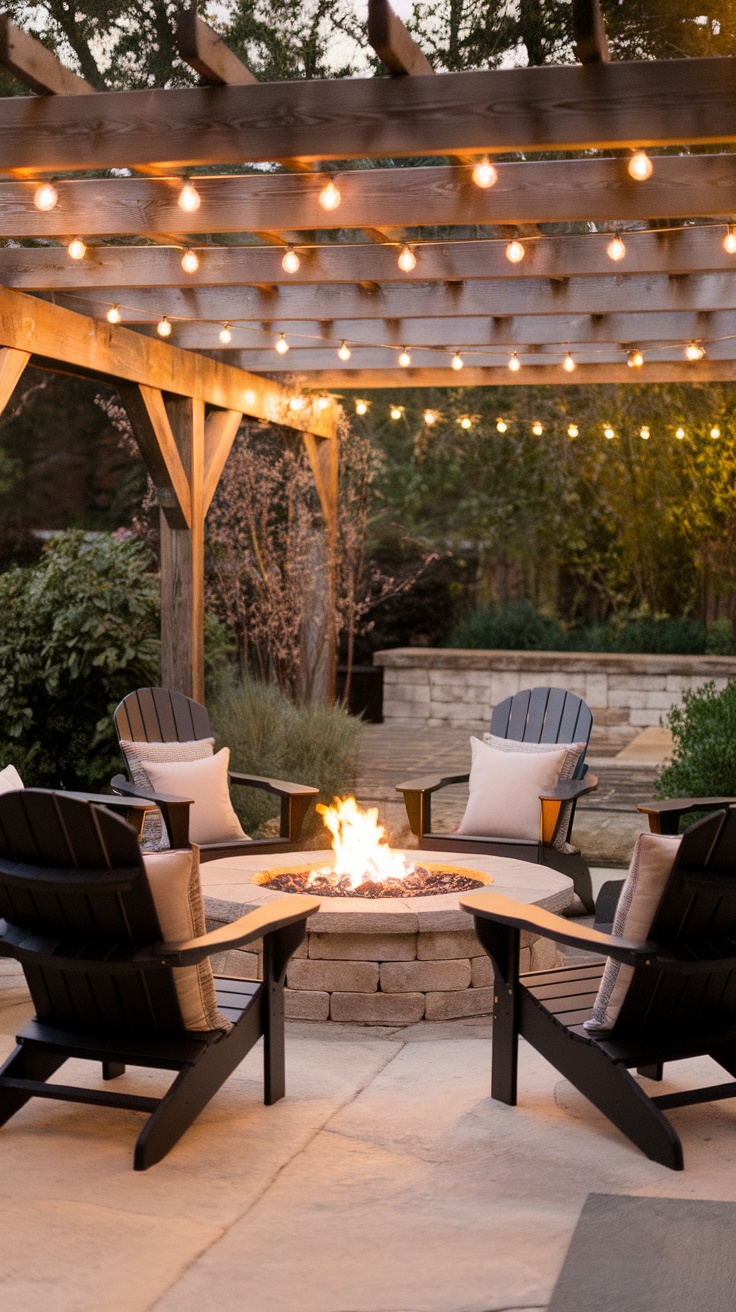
<point>386,1181</point>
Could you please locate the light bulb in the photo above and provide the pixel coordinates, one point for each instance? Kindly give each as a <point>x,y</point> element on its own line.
<point>189,198</point>
<point>635,360</point>
<point>163,327</point>
<point>568,364</point>
<point>190,261</point>
<point>344,351</point>
<point>329,197</point>
<point>407,259</point>
<point>501,425</point>
<point>466,422</point>
<point>396,411</point>
<point>514,363</point>
<point>225,334</point>
<point>77,249</point>
<point>572,430</point>
<point>361,407</point>
<point>291,261</point>
<point>694,351</point>
<point>45,197</point>
<point>485,174</point>
<point>537,429</point>
<point>608,432</point>
<point>680,433</point>
<point>457,361</point>
<point>715,431</point>
<point>405,359</point>
<point>515,252</point>
<point>282,345</point>
<point>615,250</point>
<point>113,314</point>
<point>430,417</point>
<point>296,403</point>
<point>323,402</point>
<point>644,432</point>
<point>640,166</point>
<point>729,241</point>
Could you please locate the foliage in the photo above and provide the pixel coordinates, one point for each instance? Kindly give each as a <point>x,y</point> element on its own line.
<point>519,626</point>
<point>79,631</point>
<point>516,626</point>
<point>268,734</point>
<point>703,763</point>
<point>721,639</point>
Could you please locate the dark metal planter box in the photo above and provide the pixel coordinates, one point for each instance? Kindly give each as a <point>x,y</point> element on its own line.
<point>366,691</point>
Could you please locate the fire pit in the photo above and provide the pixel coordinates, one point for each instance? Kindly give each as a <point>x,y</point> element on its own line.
<point>389,945</point>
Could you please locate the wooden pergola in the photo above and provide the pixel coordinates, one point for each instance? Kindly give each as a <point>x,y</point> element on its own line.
<point>345,308</point>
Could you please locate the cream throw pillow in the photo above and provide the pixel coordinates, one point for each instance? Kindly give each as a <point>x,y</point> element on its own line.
<point>504,791</point>
<point>137,757</point>
<point>173,878</point>
<point>10,780</point>
<point>574,752</point>
<point>651,866</point>
<point>211,818</point>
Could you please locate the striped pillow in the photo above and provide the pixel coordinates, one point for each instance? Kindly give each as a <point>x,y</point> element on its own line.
<point>154,837</point>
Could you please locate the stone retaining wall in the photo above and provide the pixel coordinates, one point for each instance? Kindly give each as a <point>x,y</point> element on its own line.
<point>438,686</point>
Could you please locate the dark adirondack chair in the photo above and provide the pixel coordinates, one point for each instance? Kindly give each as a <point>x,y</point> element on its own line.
<point>537,715</point>
<point>158,715</point>
<point>681,1002</point>
<point>81,920</point>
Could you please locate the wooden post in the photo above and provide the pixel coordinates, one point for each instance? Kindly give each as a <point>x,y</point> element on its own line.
<point>324,458</point>
<point>182,563</point>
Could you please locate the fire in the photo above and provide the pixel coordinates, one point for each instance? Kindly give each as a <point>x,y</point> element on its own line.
<point>359,843</point>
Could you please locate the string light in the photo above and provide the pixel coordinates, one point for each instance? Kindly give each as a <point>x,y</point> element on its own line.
<point>291,261</point>
<point>189,198</point>
<point>430,417</point>
<point>397,411</point>
<point>465,421</point>
<point>537,429</point>
<point>694,351</point>
<point>640,166</point>
<point>515,252</point>
<point>608,432</point>
<point>296,403</point>
<point>407,259</point>
<point>361,407</point>
<point>282,345</point>
<point>163,327</point>
<point>680,433</point>
<point>715,431</point>
<point>501,425</point>
<point>225,334</point>
<point>45,197</point>
<point>485,174</point>
<point>329,197</point>
<point>344,351</point>
<point>323,402</point>
<point>190,261</point>
<point>572,430</point>
<point>568,364</point>
<point>457,361</point>
<point>76,249</point>
<point>514,363</point>
<point>644,432</point>
<point>405,359</point>
<point>113,314</point>
<point>635,360</point>
<point>616,249</point>
<point>729,241</point>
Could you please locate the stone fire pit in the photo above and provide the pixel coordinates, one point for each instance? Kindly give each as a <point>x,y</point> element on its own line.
<point>391,961</point>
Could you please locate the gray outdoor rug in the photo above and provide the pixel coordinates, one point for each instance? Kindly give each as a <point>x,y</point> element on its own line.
<point>650,1255</point>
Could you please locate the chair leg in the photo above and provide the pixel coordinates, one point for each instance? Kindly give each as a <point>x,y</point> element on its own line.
<point>652,1072</point>
<point>111,1069</point>
<point>24,1064</point>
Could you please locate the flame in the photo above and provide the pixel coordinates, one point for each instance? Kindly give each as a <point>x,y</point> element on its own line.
<point>360,847</point>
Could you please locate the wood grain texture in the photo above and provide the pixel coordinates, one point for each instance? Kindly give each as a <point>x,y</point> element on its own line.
<point>12,364</point>
<point>220,432</point>
<point>393,44</point>
<point>206,52</point>
<point>182,563</point>
<point>146,410</point>
<point>35,66</point>
<point>595,106</point>
<point>537,191</point>
<point>53,333</point>
<point>361,380</point>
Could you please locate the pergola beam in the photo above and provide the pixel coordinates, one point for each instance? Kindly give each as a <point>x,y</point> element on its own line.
<point>393,44</point>
<point>540,191</point>
<point>206,52</point>
<point>595,106</point>
<point>591,43</point>
<point>362,380</point>
<point>35,66</point>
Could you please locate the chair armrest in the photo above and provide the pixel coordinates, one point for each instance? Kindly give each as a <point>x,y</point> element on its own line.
<point>295,799</point>
<point>175,810</point>
<point>567,792</point>
<point>430,783</point>
<point>518,915</point>
<point>664,817</point>
<point>134,810</point>
<point>266,920</point>
<point>418,798</point>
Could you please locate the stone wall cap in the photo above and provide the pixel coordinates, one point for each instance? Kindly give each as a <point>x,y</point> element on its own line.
<point>456,658</point>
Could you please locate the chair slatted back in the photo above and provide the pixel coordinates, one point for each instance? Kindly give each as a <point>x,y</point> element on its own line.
<point>73,872</point>
<point>158,715</point>
<point>696,921</point>
<point>544,715</point>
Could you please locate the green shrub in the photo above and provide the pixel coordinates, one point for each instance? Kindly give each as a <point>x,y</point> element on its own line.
<point>270,735</point>
<point>721,640</point>
<point>514,626</point>
<point>79,630</point>
<point>703,763</point>
<point>519,626</point>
